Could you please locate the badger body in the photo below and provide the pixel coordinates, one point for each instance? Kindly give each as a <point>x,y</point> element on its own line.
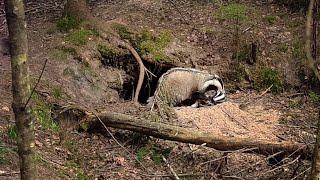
<point>180,84</point>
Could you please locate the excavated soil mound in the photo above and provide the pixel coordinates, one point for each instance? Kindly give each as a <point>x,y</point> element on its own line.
<point>227,119</point>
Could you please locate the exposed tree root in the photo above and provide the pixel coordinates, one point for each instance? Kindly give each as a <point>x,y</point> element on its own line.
<point>80,10</point>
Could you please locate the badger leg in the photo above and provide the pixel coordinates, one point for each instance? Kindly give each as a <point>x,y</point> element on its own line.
<point>195,105</point>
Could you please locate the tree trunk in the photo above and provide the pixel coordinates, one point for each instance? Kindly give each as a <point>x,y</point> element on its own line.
<point>315,170</point>
<point>78,9</point>
<point>168,132</point>
<point>20,86</point>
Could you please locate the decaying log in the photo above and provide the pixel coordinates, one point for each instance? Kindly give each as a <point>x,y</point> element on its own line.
<point>175,133</point>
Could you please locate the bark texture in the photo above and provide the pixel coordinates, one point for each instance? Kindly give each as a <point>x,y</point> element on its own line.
<point>168,132</point>
<point>20,86</point>
<point>315,170</point>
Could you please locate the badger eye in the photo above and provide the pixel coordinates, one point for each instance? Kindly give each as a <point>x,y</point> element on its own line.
<point>210,93</point>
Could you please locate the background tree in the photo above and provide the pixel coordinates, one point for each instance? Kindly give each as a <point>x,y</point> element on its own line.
<point>313,64</point>
<point>20,86</point>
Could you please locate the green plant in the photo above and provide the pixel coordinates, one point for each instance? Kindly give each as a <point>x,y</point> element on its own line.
<point>271,19</point>
<point>79,37</point>
<point>67,23</point>
<point>12,132</point>
<point>233,11</point>
<point>142,152</point>
<point>3,153</point>
<point>42,111</point>
<point>268,77</point>
<point>57,92</point>
<point>283,48</point>
<point>298,48</point>
<point>314,97</point>
<point>156,156</point>
<point>81,176</point>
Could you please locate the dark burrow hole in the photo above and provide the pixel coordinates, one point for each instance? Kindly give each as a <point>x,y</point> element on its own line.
<point>131,67</point>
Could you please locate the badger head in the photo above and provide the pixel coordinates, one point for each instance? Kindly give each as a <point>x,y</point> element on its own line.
<point>213,89</point>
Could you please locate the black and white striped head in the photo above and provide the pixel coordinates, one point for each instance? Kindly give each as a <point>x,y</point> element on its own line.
<point>213,89</point>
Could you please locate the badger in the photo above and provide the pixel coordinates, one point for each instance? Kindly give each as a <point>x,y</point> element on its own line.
<point>178,85</point>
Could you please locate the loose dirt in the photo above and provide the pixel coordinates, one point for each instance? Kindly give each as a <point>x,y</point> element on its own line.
<point>227,119</point>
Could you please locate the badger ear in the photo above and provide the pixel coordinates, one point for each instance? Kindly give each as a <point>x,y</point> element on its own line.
<point>210,77</point>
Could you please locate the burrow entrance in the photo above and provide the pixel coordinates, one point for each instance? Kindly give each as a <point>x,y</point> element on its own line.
<point>131,67</point>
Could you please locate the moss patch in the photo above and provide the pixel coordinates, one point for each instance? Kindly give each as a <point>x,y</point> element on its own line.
<point>108,51</point>
<point>67,23</point>
<point>146,43</point>
<point>42,112</point>
<point>79,37</point>
<point>233,11</point>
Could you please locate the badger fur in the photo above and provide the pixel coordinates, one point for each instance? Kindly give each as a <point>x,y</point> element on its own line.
<point>180,84</point>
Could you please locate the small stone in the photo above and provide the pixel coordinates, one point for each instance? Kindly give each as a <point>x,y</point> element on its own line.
<point>5,108</point>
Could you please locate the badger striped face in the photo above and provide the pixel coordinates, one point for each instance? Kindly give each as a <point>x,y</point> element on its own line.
<point>214,84</point>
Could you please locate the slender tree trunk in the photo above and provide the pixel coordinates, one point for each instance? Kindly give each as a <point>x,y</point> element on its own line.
<point>315,171</point>
<point>20,86</point>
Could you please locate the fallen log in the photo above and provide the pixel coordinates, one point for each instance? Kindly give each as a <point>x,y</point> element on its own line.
<point>175,133</point>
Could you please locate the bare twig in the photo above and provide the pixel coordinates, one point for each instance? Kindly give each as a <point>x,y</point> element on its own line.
<point>125,149</point>
<point>4,173</point>
<point>303,172</point>
<point>36,85</point>
<point>279,167</point>
<point>228,154</point>
<point>176,177</point>
<point>264,92</point>
<point>234,119</point>
<point>141,68</point>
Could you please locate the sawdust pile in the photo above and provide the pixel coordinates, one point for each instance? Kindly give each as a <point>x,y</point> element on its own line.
<point>227,119</point>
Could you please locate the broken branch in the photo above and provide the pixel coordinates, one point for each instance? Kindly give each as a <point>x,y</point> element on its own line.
<point>175,133</point>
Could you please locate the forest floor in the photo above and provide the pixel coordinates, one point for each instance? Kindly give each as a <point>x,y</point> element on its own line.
<point>198,40</point>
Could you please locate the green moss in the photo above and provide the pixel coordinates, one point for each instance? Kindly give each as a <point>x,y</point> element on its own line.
<point>108,51</point>
<point>146,43</point>
<point>314,97</point>
<point>79,37</point>
<point>69,50</point>
<point>270,19</point>
<point>67,23</point>
<point>149,44</point>
<point>233,11</point>
<point>123,31</point>
<point>42,112</point>
<point>267,77</point>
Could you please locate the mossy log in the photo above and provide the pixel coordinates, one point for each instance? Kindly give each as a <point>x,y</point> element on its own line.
<point>175,133</point>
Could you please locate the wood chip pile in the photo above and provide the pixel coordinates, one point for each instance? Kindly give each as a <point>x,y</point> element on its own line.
<point>227,119</point>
